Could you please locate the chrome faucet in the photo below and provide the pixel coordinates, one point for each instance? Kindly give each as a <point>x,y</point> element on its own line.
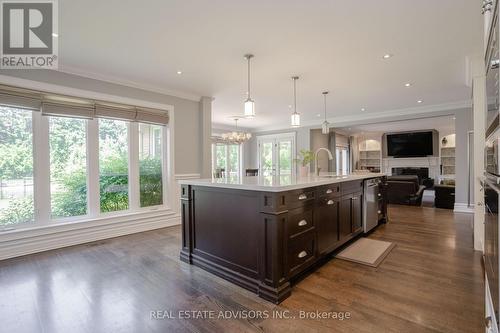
<point>330,157</point>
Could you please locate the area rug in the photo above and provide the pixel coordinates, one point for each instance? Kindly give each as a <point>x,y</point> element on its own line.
<point>366,251</point>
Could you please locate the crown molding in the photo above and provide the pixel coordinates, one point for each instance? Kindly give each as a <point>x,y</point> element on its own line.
<point>127,83</point>
<point>364,118</point>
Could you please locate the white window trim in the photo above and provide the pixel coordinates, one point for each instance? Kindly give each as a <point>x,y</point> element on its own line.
<point>41,163</point>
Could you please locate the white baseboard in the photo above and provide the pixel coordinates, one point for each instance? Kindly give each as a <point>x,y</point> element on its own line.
<point>28,241</point>
<point>463,208</point>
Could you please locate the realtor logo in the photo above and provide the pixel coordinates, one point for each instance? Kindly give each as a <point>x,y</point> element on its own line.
<point>29,34</point>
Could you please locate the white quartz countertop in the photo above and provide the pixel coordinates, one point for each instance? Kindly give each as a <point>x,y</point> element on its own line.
<point>278,183</point>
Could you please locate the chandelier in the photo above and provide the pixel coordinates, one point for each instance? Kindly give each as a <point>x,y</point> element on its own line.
<point>236,136</point>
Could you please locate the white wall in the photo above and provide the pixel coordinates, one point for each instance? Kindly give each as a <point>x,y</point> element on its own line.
<point>187,150</point>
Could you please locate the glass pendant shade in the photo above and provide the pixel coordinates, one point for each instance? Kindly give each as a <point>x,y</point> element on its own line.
<point>325,128</point>
<point>249,108</point>
<point>295,119</point>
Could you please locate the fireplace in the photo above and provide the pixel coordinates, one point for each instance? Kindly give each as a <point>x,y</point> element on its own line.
<point>422,173</point>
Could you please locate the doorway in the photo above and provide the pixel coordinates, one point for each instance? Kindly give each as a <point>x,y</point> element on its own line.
<point>276,154</point>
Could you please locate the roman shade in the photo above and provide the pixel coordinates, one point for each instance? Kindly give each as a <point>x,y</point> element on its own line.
<point>62,106</point>
<point>68,106</point>
<point>151,116</point>
<point>20,98</point>
<point>115,111</point>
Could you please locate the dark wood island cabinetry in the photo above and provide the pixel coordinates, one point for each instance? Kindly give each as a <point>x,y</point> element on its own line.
<point>260,237</point>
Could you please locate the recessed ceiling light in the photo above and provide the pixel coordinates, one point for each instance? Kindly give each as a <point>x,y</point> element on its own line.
<point>387,56</point>
<point>55,35</point>
<point>363,109</point>
<point>408,84</point>
<point>318,115</point>
<point>419,101</point>
<point>179,72</point>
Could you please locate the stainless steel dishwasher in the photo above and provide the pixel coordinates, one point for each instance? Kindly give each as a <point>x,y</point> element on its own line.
<point>371,204</point>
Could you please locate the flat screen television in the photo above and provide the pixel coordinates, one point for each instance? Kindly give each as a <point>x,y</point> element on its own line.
<point>411,144</point>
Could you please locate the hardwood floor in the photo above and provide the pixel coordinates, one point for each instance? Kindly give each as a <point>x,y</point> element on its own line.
<point>431,282</point>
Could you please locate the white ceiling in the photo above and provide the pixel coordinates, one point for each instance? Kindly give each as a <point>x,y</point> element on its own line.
<point>331,45</point>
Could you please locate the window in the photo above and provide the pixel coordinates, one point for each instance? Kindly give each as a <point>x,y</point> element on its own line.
<point>16,166</point>
<point>150,165</point>
<point>342,160</point>
<point>226,160</point>
<point>113,165</point>
<point>65,159</point>
<point>68,167</point>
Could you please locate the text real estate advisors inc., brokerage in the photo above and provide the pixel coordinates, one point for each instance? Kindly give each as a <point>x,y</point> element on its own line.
<point>247,314</point>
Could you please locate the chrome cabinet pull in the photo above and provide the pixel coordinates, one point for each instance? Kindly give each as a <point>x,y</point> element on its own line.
<point>302,223</point>
<point>329,191</point>
<point>330,202</point>
<point>302,196</point>
<point>354,198</point>
<point>302,254</point>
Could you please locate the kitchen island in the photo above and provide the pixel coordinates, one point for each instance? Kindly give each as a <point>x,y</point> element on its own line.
<point>261,232</point>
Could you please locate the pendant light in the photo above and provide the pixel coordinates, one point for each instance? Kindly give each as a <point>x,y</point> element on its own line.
<point>249,103</point>
<point>295,115</point>
<point>325,127</point>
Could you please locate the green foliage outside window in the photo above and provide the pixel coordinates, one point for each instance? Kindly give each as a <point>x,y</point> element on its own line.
<point>16,162</point>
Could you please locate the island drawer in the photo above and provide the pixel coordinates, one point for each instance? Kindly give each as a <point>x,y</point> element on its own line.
<point>300,253</point>
<point>298,198</point>
<point>300,220</point>
<point>352,186</point>
<point>329,190</point>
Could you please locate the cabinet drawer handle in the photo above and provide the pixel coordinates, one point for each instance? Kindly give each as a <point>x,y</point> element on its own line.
<point>302,197</point>
<point>302,223</point>
<point>330,202</point>
<point>329,191</point>
<point>302,254</point>
<point>354,198</point>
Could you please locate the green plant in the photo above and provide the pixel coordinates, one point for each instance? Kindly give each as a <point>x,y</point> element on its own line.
<point>18,211</point>
<point>305,157</point>
<point>150,182</point>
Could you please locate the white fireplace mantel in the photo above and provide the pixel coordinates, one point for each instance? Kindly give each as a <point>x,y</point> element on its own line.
<point>418,162</point>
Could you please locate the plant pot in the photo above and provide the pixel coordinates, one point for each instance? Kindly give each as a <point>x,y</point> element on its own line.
<point>304,171</point>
